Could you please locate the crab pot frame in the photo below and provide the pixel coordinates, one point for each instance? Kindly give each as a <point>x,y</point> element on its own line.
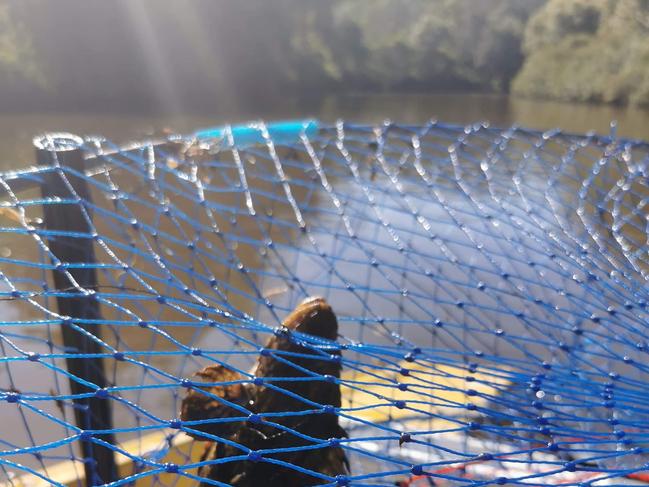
<point>76,302</point>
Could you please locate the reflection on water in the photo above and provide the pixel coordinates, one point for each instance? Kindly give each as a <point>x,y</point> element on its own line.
<point>17,130</point>
<point>475,253</point>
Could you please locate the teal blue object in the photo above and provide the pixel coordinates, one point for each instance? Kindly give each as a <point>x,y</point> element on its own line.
<point>283,132</point>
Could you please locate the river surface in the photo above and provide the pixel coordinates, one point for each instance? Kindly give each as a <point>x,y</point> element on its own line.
<point>16,131</point>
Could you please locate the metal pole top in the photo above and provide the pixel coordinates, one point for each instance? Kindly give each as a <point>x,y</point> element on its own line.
<point>57,142</point>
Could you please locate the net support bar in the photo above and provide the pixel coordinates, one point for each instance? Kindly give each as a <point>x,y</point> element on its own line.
<point>63,151</point>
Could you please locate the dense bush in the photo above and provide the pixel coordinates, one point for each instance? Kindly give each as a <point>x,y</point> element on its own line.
<point>587,50</point>
<point>17,61</point>
<point>209,53</point>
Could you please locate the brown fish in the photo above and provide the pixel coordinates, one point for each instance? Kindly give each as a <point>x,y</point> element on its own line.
<point>286,355</point>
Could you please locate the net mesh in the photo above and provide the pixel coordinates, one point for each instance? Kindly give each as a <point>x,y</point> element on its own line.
<point>490,287</point>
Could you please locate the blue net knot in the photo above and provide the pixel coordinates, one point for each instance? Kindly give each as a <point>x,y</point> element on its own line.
<point>254,456</point>
<point>342,480</point>
<point>254,418</point>
<point>417,470</point>
<point>12,397</point>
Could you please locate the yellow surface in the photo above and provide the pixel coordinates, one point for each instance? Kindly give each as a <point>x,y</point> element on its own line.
<point>71,473</point>
<point>432,390</point>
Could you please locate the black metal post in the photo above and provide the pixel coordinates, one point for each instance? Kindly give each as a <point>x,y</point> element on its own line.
<point>64,150</point>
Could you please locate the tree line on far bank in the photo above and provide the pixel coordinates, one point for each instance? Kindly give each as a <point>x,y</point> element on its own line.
<point>206,53</point>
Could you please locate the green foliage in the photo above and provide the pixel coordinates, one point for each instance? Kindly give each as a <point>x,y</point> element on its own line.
<point>159,53</point>
<point>423,43</point>
<point>587,50</point>
<point>17,60</point>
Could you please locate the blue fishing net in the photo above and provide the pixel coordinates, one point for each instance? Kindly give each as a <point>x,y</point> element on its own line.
<point>490,288</point>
